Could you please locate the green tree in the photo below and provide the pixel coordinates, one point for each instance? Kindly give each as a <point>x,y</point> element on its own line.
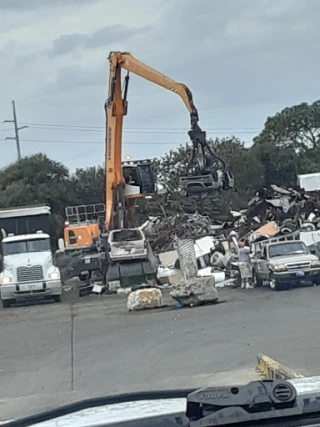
<point>37,180</point>
<point>89,185</point>
<point>297,126</point>
<point>290,143</point>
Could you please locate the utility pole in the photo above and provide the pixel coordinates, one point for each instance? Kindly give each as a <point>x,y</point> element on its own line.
<point>16,130</point>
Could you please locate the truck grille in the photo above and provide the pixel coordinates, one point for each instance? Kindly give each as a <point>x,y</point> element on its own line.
<point>29,274</point>
<point>298,265</point>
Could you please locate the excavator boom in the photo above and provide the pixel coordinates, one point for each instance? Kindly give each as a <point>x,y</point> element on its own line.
<point>131,64</point>
<point>205,171</point>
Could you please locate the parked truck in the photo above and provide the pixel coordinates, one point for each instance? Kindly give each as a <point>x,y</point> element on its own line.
<point>283,263</point>
<point>27,265</point>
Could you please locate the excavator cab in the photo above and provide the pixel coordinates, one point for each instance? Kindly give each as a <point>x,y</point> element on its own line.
<point>139,178</point>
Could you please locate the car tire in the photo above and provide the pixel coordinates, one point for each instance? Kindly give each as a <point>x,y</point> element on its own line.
<point>275,285</point>
<point>57,298</point>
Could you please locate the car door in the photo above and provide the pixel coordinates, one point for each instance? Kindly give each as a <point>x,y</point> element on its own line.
<point>264,264</point>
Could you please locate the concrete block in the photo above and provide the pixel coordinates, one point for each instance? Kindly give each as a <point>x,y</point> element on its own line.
<point>195,291</point>
<point>144,298</point>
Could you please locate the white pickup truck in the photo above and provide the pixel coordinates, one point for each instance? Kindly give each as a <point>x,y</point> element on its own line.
<point>28,269</point>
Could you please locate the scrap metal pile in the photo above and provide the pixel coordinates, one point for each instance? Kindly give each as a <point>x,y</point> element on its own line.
<point>163,232</point>
<point>289,208</point>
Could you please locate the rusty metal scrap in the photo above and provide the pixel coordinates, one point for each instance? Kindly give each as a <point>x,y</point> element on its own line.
<point>289,208</point>
<point>162,232</point>
<point>283,204</point>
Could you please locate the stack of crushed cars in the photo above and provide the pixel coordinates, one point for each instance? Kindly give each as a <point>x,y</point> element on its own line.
<point>289,208</point>
<point>273,210</point>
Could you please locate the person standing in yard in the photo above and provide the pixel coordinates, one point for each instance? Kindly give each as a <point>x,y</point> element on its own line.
<point>245,266</point>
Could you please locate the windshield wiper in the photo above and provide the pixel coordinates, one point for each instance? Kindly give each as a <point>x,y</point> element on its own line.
<point>259,402</point>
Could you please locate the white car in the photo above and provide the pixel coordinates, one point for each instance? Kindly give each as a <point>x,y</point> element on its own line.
<point>28,269</point>
<point>127,244</point>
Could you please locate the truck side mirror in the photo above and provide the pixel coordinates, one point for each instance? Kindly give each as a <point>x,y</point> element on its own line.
<point>313,251</point>
<point>61,244</point>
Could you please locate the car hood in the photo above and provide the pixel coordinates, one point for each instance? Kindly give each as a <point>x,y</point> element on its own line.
<point>118,412</point>
<point>293,258</point>
<point>135,410</point>
<point>31,258</point>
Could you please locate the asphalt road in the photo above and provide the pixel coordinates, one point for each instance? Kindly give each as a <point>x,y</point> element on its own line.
<point>51,354</point>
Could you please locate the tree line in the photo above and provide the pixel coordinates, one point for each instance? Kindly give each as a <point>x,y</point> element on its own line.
<point>289,144</point>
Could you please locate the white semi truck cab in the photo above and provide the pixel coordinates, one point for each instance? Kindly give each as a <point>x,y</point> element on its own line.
<point>28,269</point>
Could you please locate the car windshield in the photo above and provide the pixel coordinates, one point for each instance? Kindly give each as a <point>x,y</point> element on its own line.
<point>26,246</point>
<point>126,235</point>
<point>290,248</point>
<point>161,172</point>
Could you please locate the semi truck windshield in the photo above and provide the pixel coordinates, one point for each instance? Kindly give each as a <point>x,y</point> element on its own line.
<point>26,246</point>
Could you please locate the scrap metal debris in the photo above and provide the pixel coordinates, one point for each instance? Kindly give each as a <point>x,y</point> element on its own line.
<point>273,211</point>
<point>287,209</point>
<point>163,232</point>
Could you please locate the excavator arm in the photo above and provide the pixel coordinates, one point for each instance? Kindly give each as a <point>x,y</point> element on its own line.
<point>205,170</point>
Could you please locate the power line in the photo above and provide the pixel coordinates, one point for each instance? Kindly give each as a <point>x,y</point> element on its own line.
<point>142,131</point>
<point>16,130</point>
<point>103,142</point>
<point>160,129</point>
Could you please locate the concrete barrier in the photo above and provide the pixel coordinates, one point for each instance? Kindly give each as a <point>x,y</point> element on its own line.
<point>271,369</point>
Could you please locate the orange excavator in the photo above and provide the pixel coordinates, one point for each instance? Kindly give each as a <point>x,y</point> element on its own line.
<point>127,252</point>
<point>205,172</point>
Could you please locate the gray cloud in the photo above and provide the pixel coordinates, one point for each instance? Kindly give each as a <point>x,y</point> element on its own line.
<point>231,54</point>
<point>243,52</point>
<point>35,4</point>
<point>71,77</point>
<point>242,59</point>
<point>67,43</point>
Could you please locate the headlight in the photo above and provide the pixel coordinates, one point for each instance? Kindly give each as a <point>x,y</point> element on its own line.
<point>280,267</point>
<point>5,280</point>
<point>315,263</point>
<point>55,275</point>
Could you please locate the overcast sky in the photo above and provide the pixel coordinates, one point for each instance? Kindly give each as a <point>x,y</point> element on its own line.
<point>242,59</point>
